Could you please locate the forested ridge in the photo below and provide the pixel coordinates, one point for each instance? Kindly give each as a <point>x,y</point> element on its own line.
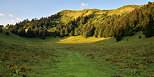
<point>124,21</point>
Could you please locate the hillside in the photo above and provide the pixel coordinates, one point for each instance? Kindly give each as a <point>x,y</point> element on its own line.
<point>73,14</point>
<point>88,22</point>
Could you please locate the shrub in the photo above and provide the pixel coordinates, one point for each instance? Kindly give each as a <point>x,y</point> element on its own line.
<point>127,40</point>
<point>118,38</point>
<point>7,33</point>
<point>1,30</point>
<point>139,37</point>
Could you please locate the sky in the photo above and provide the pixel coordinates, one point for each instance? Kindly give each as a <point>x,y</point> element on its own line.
<point>12,11</point>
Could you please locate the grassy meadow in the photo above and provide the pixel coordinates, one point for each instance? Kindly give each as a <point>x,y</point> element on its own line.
<point>76,57</point>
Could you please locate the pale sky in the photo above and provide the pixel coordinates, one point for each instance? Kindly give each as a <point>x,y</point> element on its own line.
<point>12,11</point>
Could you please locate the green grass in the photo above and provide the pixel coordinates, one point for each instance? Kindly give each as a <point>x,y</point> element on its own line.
<point>20,55</point>
<point>74,64</point>
<point>80,40</point>
<point>131,57</point>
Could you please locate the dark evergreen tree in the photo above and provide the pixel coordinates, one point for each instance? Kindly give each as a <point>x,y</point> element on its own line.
<point>1,30</point>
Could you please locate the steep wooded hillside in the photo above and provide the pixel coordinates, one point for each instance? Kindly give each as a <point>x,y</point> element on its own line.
<point>124,21</point>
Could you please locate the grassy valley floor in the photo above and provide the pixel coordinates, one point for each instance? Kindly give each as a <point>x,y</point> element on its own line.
<point>54,57</point>
<point>75,64</point>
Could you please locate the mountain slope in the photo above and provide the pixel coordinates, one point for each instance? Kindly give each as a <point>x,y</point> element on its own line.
<point>73,14</point>
<point>120,22</point>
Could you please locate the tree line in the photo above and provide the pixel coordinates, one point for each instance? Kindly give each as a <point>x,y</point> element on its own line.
<point>98,25</point>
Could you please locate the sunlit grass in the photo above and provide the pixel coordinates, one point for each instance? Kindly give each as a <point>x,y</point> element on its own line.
<point>80,39</point>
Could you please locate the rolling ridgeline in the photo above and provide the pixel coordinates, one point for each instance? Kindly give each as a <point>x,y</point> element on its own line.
<point>124,21</point>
